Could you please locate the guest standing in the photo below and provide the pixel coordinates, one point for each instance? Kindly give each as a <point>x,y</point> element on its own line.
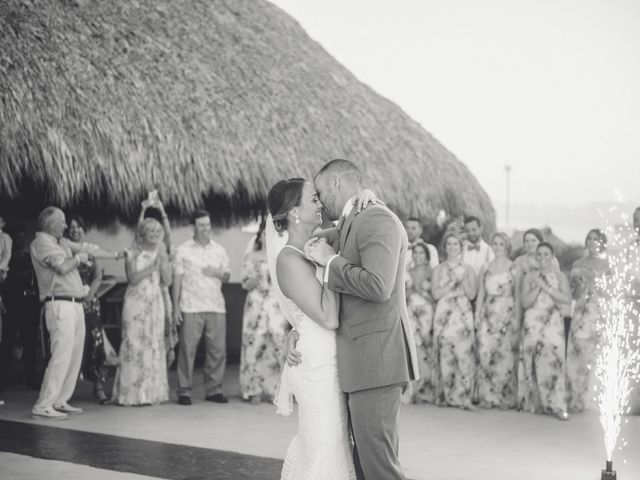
<point>152,207</point>
<point>201,267</point>
<point>56,261</point>
<point>22,316</point>
<point>528,262</point>
<point>5,251</point>
<point>420,308</point>
<point>586,315</point>
<point>263,327</point>
<point>633,258</point>
<point>541,373</point>
<point>141,378</point>
<point>453,287</point>
<point>414,234</point>
<point>498,328</point>
<point>94,352</point>
<point>475,251</point>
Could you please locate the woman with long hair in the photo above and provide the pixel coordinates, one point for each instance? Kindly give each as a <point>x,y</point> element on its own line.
<point>263,327</point>
<point>454,286</point>
<point>141,378</point>
<point>498,328</point>
<point>582,340</point>
<point>541,372</point>
<point>93,367</point>
<point>420,307</point>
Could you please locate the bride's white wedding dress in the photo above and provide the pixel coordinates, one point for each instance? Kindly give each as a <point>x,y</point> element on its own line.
<point>322,449</point>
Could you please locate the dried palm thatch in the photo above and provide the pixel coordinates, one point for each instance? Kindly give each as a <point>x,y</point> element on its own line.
<point>212,101</point>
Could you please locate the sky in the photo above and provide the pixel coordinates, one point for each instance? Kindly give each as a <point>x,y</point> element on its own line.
<point>549,87</point>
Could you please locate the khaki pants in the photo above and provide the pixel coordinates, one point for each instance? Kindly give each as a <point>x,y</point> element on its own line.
<point>65,322</point>
<point>214,326</point>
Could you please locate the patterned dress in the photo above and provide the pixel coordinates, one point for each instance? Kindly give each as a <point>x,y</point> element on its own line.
<point>541,372</point>
<point>263,332</point>
<point>582,341</point>
<point>497,326</point>
<point>454,341</point>
<point>94,353</point>
<point>141,378</point>
<point>420,308</point>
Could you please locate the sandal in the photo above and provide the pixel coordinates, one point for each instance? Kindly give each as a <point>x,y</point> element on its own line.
<point>100,396</point>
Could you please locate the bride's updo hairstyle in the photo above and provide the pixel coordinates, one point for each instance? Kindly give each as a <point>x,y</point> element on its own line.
<point>282,197</point>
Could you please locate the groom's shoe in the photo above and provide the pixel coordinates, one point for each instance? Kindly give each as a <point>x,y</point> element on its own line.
<point>217,398</point>
<point>184,400</point>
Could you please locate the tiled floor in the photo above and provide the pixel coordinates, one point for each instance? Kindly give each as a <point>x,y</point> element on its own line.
<point>436,443</point>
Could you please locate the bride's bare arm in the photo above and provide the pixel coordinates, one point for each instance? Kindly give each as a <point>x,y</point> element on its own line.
<point>298,282</point>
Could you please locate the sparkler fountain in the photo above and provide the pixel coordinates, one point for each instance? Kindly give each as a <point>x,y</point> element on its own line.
<point>618,361</point>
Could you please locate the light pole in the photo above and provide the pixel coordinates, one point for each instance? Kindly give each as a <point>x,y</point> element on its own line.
<point>507,168</point>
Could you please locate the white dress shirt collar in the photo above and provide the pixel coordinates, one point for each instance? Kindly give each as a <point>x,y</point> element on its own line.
<point>348,207</point>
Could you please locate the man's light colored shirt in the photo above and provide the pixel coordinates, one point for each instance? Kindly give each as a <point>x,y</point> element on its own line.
<point>200,293</point>
<point>346,210</point>
<point>477,258</point>
<point>46,253</point>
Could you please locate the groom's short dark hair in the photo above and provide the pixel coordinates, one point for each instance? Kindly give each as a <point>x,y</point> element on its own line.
<point>341,167</point>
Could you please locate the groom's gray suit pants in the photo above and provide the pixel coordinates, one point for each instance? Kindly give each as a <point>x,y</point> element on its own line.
<point>374,415</point>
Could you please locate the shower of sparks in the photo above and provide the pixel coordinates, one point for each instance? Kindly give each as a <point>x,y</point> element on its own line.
<point>617,364</point>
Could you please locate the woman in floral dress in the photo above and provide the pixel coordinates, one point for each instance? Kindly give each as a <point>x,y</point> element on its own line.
<point>141,378</point>
<point>263,328</point>
<point>420,308</point>
<point>541,372</point>
<point>581,345</point>
<point>527,262</point>
<point>453,287</point>
<point>93,368</point>
<point>498,328</point>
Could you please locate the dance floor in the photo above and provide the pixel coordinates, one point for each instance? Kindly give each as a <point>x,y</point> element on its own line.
<point>242,441</point>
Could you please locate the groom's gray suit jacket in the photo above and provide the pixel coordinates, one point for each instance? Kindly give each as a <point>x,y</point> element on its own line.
<point>375,341</point>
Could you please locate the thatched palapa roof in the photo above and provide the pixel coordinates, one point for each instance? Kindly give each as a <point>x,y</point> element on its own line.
<point>210,100</point>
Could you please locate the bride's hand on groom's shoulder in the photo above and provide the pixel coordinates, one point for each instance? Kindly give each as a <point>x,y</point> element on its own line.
<point>365,198</point>
<point>294,357</point>
<point>319,251</point>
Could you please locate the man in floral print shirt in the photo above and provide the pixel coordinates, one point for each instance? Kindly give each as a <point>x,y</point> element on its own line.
<point>201,267</point>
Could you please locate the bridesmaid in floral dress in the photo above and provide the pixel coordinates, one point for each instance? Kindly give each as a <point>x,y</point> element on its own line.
<point>453,287</point>
<point>541,373</point>
<point>420,307</point>
<point>93,362</point>
<point>582,335</point>
<point>498,328</point>
<point>141,378</point>
<point>527,262</point>
<point>263,328</point>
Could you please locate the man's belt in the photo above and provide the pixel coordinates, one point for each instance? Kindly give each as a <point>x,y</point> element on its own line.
<point>63,298</point>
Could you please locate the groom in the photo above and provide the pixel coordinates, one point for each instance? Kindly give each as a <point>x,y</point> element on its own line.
<point>376,352</point>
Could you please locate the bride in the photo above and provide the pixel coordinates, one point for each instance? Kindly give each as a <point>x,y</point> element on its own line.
<point>322,447</point>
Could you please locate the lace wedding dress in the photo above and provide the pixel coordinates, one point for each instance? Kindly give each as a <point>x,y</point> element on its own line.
<point>322,449</point>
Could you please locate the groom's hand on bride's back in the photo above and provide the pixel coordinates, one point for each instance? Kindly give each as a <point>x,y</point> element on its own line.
<point>294,357</point>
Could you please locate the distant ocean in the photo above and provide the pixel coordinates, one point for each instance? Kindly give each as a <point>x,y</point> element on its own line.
<point>570,224</point>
